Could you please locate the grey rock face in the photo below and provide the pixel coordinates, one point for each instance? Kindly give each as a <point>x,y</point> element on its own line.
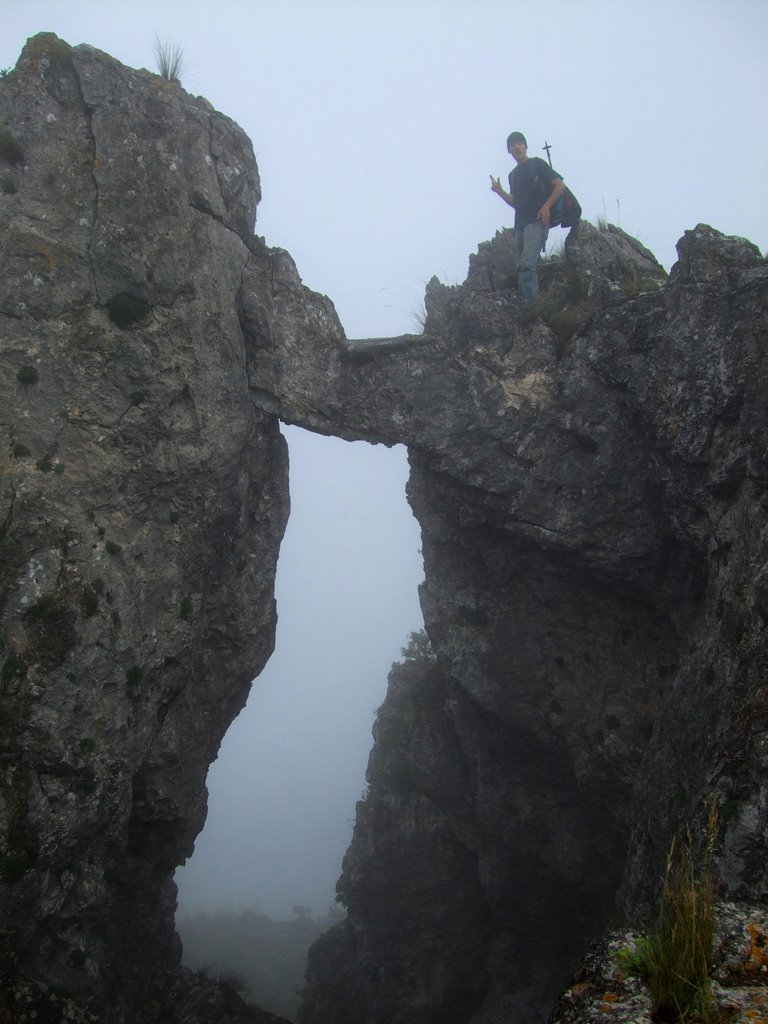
<point>590,483</point>
<point>143,502</point>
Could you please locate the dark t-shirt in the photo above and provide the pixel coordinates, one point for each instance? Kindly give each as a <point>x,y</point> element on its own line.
<point>530,184</point>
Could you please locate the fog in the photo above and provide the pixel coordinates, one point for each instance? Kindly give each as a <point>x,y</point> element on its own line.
<point>283,790</point>
<point>376,124</point>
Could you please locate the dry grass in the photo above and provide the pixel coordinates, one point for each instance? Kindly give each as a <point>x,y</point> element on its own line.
<point>170,60</point>
<point>675,961</point>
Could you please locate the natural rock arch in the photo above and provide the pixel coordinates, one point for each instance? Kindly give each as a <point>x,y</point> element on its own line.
<point>590,484</point>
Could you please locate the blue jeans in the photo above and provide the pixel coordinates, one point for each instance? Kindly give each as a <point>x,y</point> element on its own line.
<point>529,241</point>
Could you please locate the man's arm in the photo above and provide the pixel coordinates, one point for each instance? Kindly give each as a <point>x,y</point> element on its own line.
<point>557,190</point>
<point>496,187</point>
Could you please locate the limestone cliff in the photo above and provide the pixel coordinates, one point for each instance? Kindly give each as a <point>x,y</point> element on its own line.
<point>143,501</point>
<point>590,480</point>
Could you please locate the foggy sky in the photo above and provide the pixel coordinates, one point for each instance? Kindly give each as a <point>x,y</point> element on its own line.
<point>376,126</point>
<point>292,766</point>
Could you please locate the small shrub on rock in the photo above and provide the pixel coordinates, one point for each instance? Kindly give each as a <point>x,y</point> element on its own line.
<point>27,375</point>
<point>10,147</point>
<point>126,310</point>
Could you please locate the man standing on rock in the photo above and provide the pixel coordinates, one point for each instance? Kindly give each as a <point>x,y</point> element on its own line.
<point>534,187</point>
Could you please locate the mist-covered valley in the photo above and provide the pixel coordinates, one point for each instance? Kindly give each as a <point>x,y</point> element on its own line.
<point>261,958</point>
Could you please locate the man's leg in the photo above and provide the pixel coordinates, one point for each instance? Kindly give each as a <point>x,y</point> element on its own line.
<point>529,244</point>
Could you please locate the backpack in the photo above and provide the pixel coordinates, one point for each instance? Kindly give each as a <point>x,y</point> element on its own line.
<point>565,212</point>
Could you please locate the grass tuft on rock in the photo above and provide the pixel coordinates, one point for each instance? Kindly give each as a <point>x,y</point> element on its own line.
<point>170,60</point>
<point>675,960</point>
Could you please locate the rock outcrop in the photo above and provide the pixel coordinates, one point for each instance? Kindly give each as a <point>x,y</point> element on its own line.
<point>606,985</point>
<point>143,497</point>
<point>590,484</point>
<point>590,480</point>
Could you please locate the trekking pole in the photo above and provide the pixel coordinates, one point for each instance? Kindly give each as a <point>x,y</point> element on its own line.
<point>546,147</point>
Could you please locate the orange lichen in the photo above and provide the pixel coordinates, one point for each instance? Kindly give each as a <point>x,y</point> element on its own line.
<point>49,257</point>
<point>609,1002</point>
<point>758,947</point>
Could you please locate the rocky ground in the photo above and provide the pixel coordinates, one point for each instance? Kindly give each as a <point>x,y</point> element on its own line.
<point>603,992</point>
